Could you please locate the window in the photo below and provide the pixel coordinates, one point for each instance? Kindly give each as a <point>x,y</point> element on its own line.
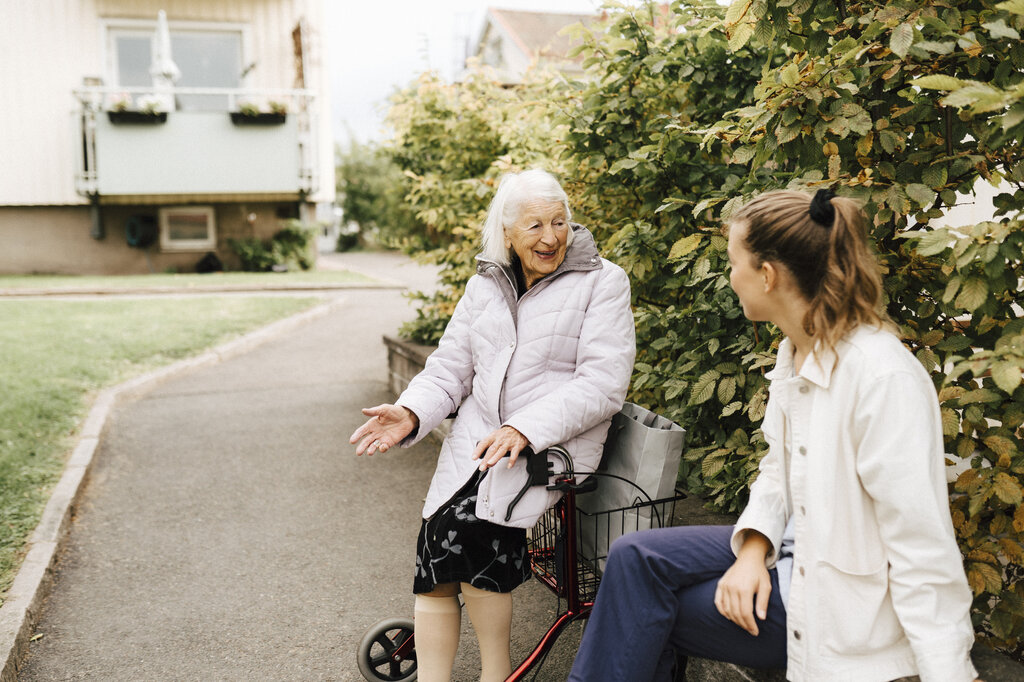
<point>187,228</point>
<point>208,57</point>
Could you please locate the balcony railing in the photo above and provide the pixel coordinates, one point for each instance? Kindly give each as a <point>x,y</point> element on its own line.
<point>196,141</point>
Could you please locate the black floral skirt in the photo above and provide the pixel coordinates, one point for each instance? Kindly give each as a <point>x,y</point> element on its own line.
<point>454,546</point>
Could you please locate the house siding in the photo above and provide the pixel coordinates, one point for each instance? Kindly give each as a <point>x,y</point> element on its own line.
<point>55,240</point>
<point>39,138</point>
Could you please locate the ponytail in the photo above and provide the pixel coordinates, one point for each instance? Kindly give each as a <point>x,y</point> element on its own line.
<point>822,242</point>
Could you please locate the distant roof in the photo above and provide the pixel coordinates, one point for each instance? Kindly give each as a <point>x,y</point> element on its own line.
<point>536,33</point>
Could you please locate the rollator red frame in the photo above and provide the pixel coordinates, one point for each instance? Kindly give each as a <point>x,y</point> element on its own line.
<point>556,560</point>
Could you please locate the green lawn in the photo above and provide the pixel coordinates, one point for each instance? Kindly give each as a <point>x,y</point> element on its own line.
<point>185,281</point>
<point>55,355</point>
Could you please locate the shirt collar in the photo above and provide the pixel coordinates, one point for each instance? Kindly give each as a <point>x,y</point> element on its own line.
<point>817,368</point>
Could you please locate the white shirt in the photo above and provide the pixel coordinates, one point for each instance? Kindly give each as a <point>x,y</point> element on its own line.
<point>878,588</point>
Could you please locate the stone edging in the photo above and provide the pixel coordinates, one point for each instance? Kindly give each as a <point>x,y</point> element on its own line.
<point>297,287</point>
<point>20,610</point>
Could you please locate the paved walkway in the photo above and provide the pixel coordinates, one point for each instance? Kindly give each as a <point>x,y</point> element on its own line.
<point>228,532</point>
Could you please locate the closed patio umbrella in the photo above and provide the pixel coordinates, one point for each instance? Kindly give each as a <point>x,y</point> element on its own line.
<point>162,69</point>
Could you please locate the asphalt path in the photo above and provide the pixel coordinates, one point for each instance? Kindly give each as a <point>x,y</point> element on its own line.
<point>228,531</point>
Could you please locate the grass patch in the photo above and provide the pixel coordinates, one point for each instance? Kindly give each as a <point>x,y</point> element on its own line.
<point>181,281</point>
<point>54,355</point>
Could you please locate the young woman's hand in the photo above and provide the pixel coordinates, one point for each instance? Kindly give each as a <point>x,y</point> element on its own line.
<point>387,425</point>
<point>497,444</point>
<point>744,589</point>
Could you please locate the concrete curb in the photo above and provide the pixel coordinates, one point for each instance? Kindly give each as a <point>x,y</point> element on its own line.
<point>20,611</point>
<point>202,289</point>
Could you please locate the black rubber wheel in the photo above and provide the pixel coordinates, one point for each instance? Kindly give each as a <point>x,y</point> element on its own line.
<point>379,645</point>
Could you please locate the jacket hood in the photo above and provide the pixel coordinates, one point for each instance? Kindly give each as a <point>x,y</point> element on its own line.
<point>580,256</point>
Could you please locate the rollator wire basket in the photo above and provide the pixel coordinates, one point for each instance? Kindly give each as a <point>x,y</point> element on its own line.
<point>595,531</point>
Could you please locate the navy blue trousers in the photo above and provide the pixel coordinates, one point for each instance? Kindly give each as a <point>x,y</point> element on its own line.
<point>656,599</point>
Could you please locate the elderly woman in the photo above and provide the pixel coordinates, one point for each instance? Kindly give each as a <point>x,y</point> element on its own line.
<point>539,352</point>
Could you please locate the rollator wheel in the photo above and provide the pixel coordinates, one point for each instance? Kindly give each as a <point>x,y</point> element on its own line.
<point>376,652</point>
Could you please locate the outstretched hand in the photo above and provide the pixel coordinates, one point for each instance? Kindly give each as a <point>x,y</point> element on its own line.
<point>497,444</point>
<point>387,425</point>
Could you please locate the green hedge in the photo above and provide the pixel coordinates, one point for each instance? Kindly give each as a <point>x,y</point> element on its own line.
<point>685,113</point>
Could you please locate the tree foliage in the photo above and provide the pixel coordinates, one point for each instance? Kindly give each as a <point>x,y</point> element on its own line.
<point>685,114</point>
<point>372,190</point>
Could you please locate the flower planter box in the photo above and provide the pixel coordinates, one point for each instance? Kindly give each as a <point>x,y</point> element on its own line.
<point>263,119</point>
<point>137,117</point>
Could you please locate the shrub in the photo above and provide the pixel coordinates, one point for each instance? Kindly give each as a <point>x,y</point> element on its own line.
<point>291,248</point>
<point>682,116</point>
<point>372,189</point>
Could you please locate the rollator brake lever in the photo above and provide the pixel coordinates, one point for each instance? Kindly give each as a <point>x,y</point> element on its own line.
<point>538,471</point>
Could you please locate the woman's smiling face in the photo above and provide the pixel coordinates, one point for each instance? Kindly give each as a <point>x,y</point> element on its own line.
<point>539,237</point>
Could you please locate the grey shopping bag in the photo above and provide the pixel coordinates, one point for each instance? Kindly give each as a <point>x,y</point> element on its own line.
<point>644,449</point>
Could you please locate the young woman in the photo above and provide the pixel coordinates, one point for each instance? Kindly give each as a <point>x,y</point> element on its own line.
<point>844,565</point>
<point>539,352</point>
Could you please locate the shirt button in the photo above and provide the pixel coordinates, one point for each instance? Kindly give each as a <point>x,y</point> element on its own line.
<point>801,570</point>
<point>804,389</point>
<point>803,450</point>
<point>803,511</point>
<point>796,634</point>
<point>512,345</point>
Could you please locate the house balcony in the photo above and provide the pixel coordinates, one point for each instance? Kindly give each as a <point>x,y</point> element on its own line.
<point>195,143</point>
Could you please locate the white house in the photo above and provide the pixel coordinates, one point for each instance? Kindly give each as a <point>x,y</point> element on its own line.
<point>511,41</point>
<point>124,138</point>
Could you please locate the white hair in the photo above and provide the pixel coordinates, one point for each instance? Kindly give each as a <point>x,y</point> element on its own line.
<point>514,190</point>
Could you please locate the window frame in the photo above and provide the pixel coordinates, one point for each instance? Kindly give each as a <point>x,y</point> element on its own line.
<point>110,27</point>
<point>182,245</point>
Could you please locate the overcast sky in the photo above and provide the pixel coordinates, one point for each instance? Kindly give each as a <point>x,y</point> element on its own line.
<point>374,46</point>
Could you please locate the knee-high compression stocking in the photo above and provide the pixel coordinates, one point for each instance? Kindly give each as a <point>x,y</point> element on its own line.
<point>491,614</point>
<point>438,621</point>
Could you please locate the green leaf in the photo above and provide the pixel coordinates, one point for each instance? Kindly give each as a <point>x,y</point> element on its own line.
<point>984,577</point>
<point>1007,376</point>
<point>726,389</point>
<point>980,395</point>
<point>950,422</point>
<point>740,35</point>
<point>888,140</point>
<point>939,82</point>
<point>922,194</point>
<point>998,29</point>
<point>973,294</point>
<point>685,246</point>
<point>933,243</point>
<point>934,176</point>
<point>713,464</point>
<point>622,164</point>
<point>952,288</point>
<point>731,408</point>
<point>1007,489</point>
<point>790,74</point>
<point>937,47</point>
<point>1012,6</point>
<point>737,9</point>
<point>1001,445</point>
<point>980,97</point>
<point>901,40</point>
<point>704,388</point>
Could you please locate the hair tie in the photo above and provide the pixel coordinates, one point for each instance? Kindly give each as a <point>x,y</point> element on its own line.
<point>822,211</point>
